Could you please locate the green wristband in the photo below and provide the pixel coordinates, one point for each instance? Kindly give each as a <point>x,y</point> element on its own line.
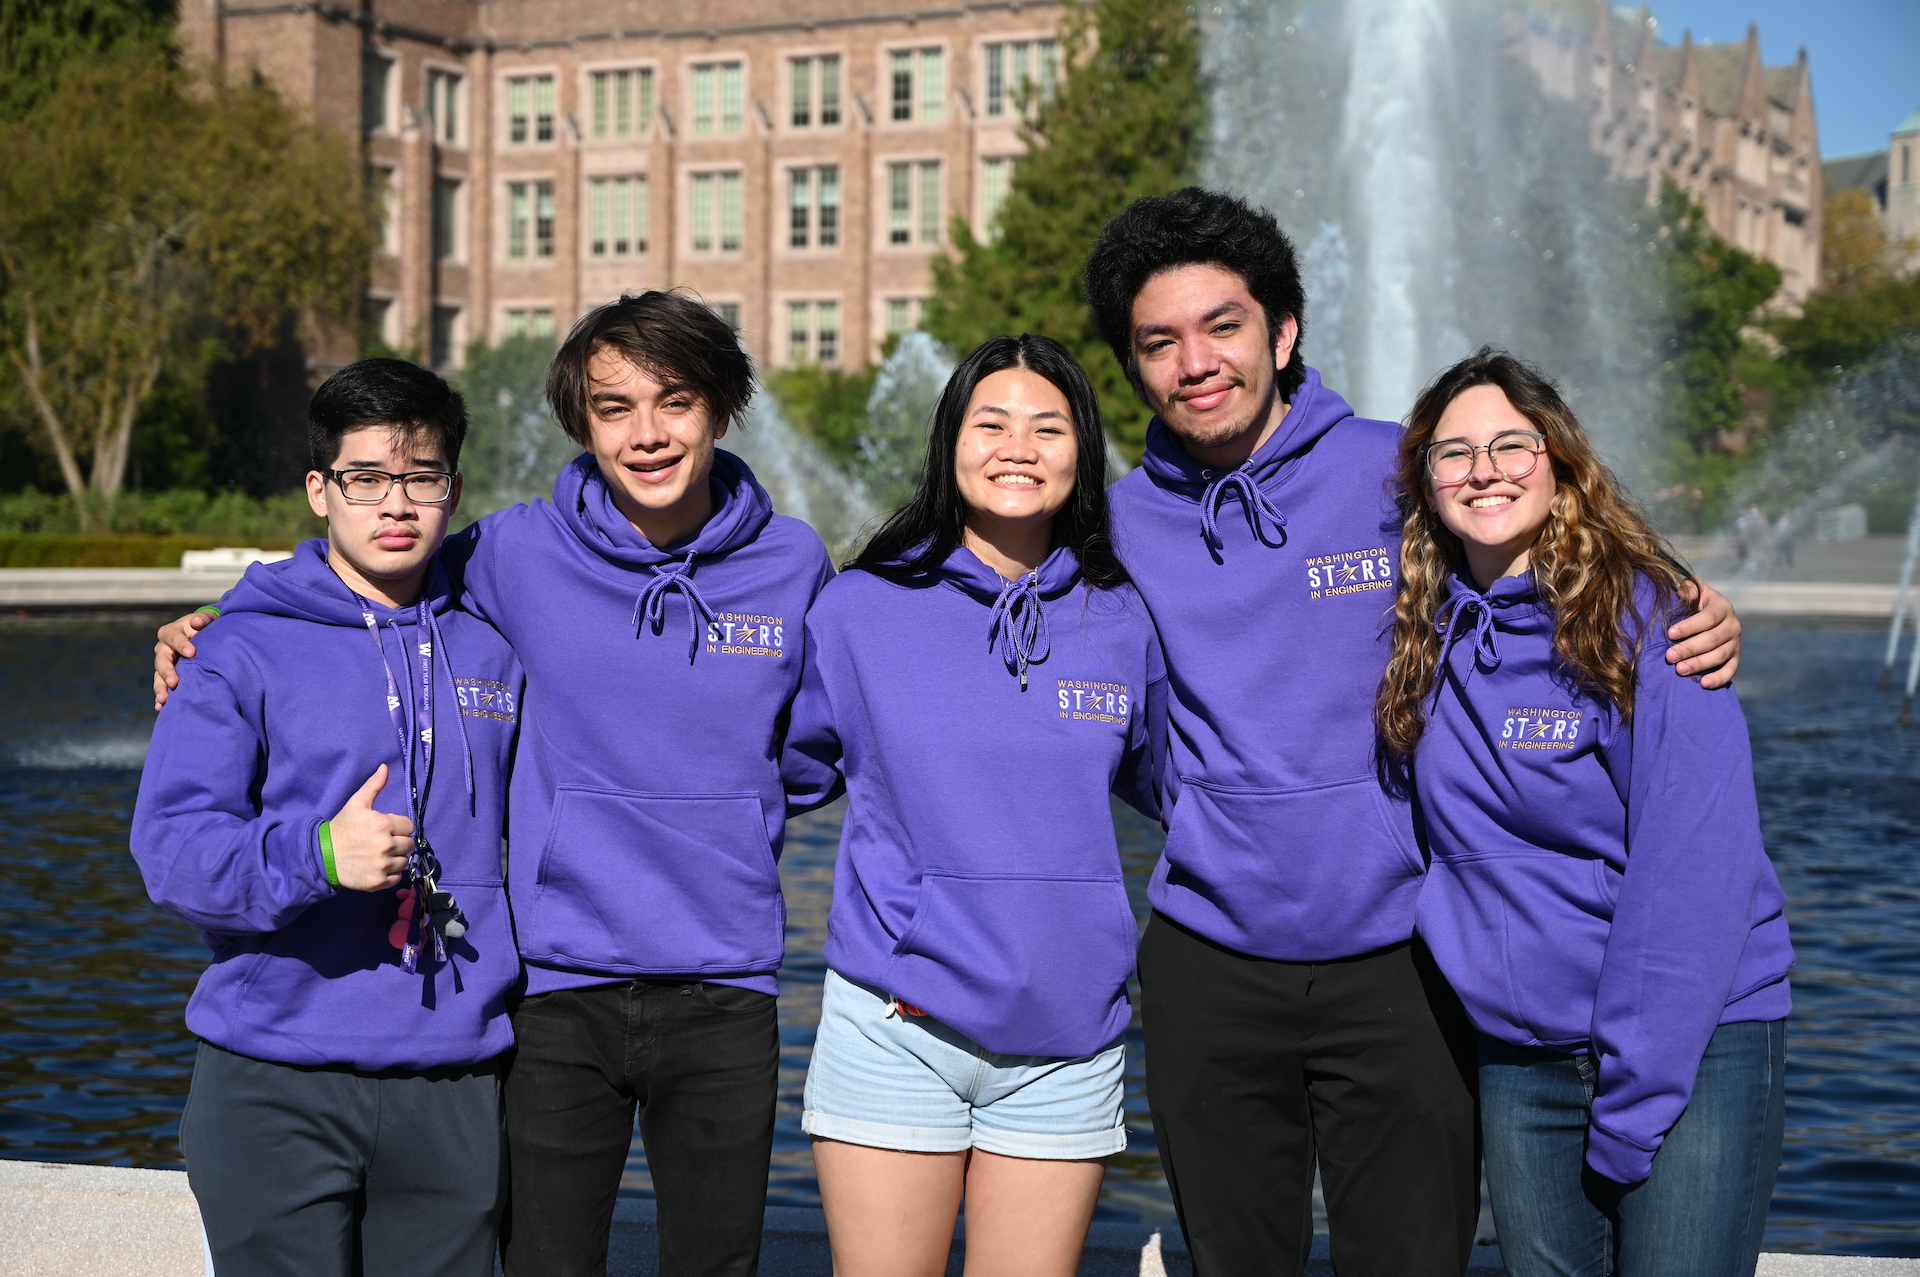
<point>211,607</point>
<point>326,853</point>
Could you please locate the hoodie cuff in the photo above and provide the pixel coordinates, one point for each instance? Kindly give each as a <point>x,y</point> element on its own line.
<point>1620,1160</point>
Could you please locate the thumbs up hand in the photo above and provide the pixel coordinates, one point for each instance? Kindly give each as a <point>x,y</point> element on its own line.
<point>370,848</point>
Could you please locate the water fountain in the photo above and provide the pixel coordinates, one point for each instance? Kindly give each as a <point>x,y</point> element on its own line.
<point>1440,200</point>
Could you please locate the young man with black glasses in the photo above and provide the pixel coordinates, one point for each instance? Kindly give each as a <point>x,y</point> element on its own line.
<point>657,603</point>
<point>1291,1017</point>
<point>324,798</point>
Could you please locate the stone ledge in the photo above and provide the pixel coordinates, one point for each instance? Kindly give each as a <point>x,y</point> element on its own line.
<point>112,587</point>
<point>63,1220</point>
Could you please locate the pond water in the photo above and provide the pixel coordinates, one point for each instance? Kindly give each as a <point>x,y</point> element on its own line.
<point>94,1058</point>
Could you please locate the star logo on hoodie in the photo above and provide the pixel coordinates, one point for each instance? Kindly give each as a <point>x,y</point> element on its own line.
<point>1347,572</point>
<point>1539,729</point>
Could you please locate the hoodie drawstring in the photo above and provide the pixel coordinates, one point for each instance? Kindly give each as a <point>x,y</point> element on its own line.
<point>1239,480</point>
<point>652,603</point>
<point>459,716</point>
<point>1486,650</point>
<point>1018,623</point>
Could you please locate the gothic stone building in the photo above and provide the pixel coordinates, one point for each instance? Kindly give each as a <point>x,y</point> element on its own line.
<point>1737,134</point>
<point>796,164</point>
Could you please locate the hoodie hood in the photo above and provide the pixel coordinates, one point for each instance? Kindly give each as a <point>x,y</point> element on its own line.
<point>1511,606</point>
<point>1017,628</point>
<point>1314,411</point>
<point>741,508</point>
<point>307,588</point>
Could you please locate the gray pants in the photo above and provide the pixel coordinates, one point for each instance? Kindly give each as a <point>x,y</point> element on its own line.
<point>325,1172</point>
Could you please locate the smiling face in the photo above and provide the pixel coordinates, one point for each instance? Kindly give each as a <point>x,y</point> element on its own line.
<point>381,550</point>
<point>654,445</point>
<point>1017,454</point>
<point>1207,363</point>
<point>1497,519</point>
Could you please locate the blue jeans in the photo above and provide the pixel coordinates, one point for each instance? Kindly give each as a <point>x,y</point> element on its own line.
<point>1702,1211</point>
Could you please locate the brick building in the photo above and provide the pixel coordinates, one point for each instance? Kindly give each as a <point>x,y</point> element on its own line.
<point>1737,134</point>
<point>797,164</point>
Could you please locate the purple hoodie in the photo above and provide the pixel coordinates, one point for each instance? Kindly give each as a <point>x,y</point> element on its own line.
<point>276,723</point>
<point>1596,886</point>
<point>647,805</point>
<point>1271,587</point>
<point>980,725</point>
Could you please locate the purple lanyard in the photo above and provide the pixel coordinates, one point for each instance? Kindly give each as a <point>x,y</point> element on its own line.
<point>408,728</point>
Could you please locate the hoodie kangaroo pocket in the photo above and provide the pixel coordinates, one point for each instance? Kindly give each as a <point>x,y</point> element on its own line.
<point>669,884</point>
<point>1023,965</point>
<point>1298,873</point>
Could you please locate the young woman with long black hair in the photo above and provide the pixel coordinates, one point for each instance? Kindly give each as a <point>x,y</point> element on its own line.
<point>979,681</point>
<point>1599,895</point>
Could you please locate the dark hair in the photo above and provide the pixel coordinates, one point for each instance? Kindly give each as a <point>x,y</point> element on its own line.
<point>935,515</point>
<point>1195,227</point>
<point>403,397</point>
<point>1586,562</point>
<point>674,336</point>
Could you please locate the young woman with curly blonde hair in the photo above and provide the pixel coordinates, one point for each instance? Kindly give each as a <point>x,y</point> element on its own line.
<point>1599,895</point>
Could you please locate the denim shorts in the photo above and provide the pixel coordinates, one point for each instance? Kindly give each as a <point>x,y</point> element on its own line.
<point>886,1079</point>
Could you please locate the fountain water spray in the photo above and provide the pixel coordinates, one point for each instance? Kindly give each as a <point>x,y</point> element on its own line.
<point>1440,200</point>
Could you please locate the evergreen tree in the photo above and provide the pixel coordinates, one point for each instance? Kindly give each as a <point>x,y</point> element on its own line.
<point>43,41</point>
<point>1128,120</point>
<point>1715,288</point>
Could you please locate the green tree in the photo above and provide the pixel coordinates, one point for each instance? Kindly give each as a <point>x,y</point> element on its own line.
<point>1129,120</point>
<point>43,41</point>
<point>1715,290</point>
<point>140,216</point>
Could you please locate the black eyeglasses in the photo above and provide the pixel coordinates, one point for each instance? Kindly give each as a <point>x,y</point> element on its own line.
<point>1513,456</point>
<point>370,487</point>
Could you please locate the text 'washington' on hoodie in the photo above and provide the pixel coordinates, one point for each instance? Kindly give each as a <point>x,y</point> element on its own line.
<point>647,805</point>
<point>1597,886</point>
<point>278,720</point>
<point>1272,587</point>
<point>980,725</point>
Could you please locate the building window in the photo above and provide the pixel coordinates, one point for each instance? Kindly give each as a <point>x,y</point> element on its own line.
<point>813,332</point>
<point>530,109</point>
<point>376,94</point>
<point>995,179</point>
<point>382,196</point>
<point>913,203</point>
<point>1032,66</point>
<point>446,219</point>
<point>813,207</point>
<point>815,90</point>
<point>443,107</point>
<point>1906,164</point>
<point>729,312</point>
<point>376,317</point>
<point>617,216</point>
<point>919,84</point>
<point>529,219</point>
<point>444,336</point>
<point>717,217</point>
<point>903,315</point>
<point>622,103</point>
<point>530,322</point>
<point>719,98</point>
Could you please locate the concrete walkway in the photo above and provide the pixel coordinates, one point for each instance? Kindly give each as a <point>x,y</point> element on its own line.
<point>22,588</point>
<point>62,1220</point>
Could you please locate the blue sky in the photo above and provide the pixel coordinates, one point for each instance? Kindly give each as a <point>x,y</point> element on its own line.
<point>1865,55</point>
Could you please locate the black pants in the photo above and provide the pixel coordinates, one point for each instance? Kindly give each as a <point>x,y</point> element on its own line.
<point>1257,1067</point>
<point>701,1062</point>
<point>325,1172</point>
